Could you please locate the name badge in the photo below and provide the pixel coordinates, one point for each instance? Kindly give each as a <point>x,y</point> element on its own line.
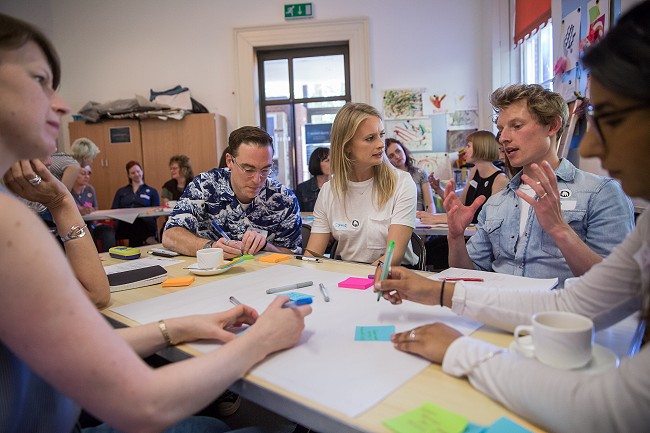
<point>340,226</point>
<point>568,204</point>
<point>145,196</point>
<point>473,183</point>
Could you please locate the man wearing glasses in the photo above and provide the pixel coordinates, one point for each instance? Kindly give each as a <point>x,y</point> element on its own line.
<point>239,208</point>
<point>552,219</point>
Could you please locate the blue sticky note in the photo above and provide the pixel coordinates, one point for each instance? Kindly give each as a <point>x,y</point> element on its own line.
<point>505,425</point>
<point>373,333</point>
<point>294,296</point>
<point>474,428</point>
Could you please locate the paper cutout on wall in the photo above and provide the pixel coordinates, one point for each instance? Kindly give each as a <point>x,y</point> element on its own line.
<point>435,103</point>
<point>466,101</point>
<point>571,37</point>
<point>598,16</point>
<point>434,162</point>
<point>462,119</point>
<point>403,103</point>
<point>566,84</point>
<point>413,133</point>
<point>457,139</point>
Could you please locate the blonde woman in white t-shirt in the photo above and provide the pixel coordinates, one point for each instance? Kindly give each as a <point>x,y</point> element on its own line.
<point>368,203</point>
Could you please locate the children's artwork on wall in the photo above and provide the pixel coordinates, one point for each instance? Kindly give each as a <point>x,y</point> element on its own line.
<point>436,103</point>
<point>462,119</point>
<point>403,103</point>
<point>466,101</point>
<point>434,162</point>
<point>457,139</point>
<point>598,19</point>
<point>571,38</point>
<point>413,133</point>
<point>566,84</point>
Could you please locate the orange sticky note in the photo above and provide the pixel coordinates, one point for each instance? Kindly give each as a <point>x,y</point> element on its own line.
<point>274,258</point>
<point>178,281</point>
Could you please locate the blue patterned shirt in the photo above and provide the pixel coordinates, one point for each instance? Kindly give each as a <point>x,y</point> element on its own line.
<point>211,197</point>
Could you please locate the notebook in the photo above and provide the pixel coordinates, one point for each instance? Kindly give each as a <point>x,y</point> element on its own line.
<point>134,278</point>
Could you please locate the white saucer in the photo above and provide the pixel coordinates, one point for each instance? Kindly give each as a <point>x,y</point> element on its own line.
<point>602,358</point>
<point>205,272</point>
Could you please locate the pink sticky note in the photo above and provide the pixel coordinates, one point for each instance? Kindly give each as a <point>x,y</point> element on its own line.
<point>356,283</point>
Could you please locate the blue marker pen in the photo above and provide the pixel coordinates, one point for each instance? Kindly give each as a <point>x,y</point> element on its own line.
<point>297,303</point>
<point>220,230</point>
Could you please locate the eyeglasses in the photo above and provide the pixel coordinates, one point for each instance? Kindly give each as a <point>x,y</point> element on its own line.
<point>251,172</point>
<point>594,119</point>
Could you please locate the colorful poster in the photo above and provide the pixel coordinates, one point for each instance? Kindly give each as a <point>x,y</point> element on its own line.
<point>434,162</point>
<point>436,103</point>
<point>466,101</point>
<point>413,133</point>
<point>566,84</point>
<point>403,103</point>
<point>462,119</point>
<point>598,16</point>
<point>571,38</point>
<point>457,139</point>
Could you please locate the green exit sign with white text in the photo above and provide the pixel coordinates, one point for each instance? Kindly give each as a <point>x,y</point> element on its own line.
<point>298,10</point>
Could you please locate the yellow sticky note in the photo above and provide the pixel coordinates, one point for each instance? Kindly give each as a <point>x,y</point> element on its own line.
<point>428,418</point>
<point>178,281</point>
<point>274,258</point>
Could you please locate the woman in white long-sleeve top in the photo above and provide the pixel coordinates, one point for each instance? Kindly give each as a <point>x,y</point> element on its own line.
<point>564,400</point>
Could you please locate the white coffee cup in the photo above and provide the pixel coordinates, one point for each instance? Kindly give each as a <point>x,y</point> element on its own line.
<point>557,338</point>
<point>209,258</point>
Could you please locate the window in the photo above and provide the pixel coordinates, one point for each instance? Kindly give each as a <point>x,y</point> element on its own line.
<point>536,54</point>
<point>301,90</point>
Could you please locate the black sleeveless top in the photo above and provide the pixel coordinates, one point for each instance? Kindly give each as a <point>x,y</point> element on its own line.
<point>479,186</point>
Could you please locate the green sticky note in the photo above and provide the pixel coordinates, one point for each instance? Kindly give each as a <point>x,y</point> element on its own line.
<point>374,333</point>
<point>428,418</point>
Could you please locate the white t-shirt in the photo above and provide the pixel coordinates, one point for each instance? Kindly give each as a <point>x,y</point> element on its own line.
<point>360,228</point>
<point>564,400</point>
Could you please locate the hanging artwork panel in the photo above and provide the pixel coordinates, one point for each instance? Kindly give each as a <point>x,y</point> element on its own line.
<point>413,133</point>
<point>403,103</point>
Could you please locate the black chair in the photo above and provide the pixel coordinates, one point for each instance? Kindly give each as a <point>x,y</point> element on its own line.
<point>420,251</point>
<point>306,231</point>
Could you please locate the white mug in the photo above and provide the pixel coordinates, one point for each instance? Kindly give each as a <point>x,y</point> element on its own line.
<point>209,258</point>
<point>557,338</point>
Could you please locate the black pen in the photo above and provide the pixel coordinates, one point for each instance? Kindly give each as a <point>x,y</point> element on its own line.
<point>309,259</point>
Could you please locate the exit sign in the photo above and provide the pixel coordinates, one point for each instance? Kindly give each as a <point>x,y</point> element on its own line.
<point>298,10</point>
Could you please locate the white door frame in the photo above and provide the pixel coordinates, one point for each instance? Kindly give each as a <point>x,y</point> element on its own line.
<point>247,40</point>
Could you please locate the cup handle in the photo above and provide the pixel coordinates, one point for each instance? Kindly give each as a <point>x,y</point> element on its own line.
<point>523,348</point>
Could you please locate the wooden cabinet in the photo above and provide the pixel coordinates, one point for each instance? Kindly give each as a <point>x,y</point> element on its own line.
<point>151,142</point>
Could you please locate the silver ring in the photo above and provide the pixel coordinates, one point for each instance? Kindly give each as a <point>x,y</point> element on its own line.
<point>36,180</point>
<point>412,335</point>
<point>227,242</point>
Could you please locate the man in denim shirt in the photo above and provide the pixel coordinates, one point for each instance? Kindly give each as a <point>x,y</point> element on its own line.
<point>237,208</point>
<point>552,220</point>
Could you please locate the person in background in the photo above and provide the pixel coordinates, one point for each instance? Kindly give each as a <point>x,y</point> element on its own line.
<point>222,159</point>
<point>84,193</point>
<point>564,232</point>
<point>67,355</point>
<point>66,167</point>
<point>401,158</point>
<point>319,167</point>
<point>368,202</point>
<point>616,400</point>
<point>182,174</point>
<point>136,194</point>
<point>253,211</point>
<point>486,179</point>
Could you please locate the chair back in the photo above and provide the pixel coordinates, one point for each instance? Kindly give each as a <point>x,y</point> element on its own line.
<point>420,251</point>
<point>306,231</point>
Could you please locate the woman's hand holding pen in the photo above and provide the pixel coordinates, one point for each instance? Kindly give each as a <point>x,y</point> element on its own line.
<point>278,328</point>
<point>403,284</point>
<point>210,326</point>
<point>428,341</point>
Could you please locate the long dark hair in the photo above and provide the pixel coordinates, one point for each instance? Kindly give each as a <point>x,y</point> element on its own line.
<point>410,161</point>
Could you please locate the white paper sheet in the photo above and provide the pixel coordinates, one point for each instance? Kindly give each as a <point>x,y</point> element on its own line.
<point>140,263</point>
<point>494,279</point>
<point>327,366</point>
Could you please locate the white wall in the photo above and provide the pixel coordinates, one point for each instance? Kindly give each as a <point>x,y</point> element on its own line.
<point>116,49</point>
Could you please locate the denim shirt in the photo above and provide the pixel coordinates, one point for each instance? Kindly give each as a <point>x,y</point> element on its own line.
<point>594,206</point>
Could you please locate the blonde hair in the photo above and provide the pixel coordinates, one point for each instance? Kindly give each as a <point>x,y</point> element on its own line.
<point>83,148</point>
<point>485,146</point>
<point>345,125</point>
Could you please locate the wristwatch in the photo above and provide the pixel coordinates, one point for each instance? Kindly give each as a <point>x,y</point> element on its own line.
<point>208,244</point>
<point>75,232</point>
